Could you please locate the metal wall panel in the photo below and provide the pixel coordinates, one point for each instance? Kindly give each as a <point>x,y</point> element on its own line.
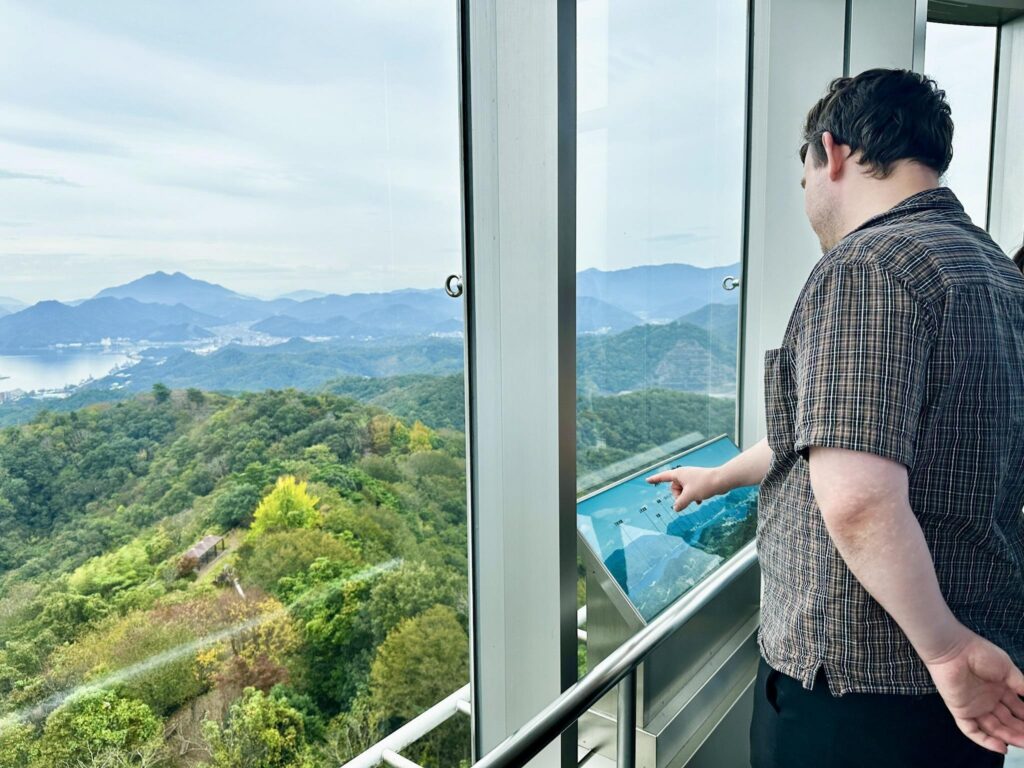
<point>519,153</point>
<point>886,33</point>
<point>1006,201</point>
<point>798,49</point>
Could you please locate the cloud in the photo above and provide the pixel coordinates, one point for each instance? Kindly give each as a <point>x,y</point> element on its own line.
<point>61,142</point>
<point>57,180</point>
<point>680,238</point>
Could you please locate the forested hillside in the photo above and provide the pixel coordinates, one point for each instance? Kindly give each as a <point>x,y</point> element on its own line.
<point>337,611</point>
<point>297,363</point>
<point>675,355</point>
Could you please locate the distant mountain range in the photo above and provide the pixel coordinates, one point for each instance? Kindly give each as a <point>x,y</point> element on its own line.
<point>660,293</point>
<point>303,295</point>
<point>361,315</point>
<point>49,322</point>
<point>678,355</point>
<point>224,305</point>
<point>594,316</point>
<point>9,305</point>
<point>687,343</point>
<point>176,308</point>
<point>179,288</point>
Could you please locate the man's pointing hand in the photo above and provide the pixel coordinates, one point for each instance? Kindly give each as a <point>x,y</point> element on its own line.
<point>688,484</point>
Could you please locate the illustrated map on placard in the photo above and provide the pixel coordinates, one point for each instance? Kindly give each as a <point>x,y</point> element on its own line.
<point>655,553</point>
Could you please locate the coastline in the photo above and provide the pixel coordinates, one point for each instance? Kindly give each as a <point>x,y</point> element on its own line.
<point>40,381</point>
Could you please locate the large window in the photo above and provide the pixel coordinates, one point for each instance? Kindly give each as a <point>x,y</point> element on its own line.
<point>660,210</point>
<point>232,473</point>
<point>661,99</point>
<point>962,61</point>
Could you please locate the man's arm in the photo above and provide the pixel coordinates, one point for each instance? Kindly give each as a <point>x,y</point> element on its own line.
<point>864,501</point>
<point>691,484</point>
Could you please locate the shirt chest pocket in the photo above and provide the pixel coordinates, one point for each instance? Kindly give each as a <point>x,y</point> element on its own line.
<point>780,399</point>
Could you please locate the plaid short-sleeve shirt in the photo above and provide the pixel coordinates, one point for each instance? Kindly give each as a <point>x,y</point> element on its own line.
<point>907,341</point>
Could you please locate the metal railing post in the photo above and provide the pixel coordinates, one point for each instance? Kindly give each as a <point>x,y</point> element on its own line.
<point>523,745</point>
<point>626,721</point>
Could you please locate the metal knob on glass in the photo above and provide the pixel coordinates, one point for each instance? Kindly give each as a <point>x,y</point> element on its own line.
<point>453,286</point>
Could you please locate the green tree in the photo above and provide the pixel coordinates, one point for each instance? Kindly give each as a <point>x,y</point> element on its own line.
<point>287,506</point>
<point>67,614</point>
<point>159,546</point>
<point>420,437</point>
<point>195,397</point>
<point>381,533</point>
<point>161,393</point>
<point>98,727</point>
<point>113,572</point>
<point>267,559</point>
<point>261,731</point>
<point>15,746</point>
<point>379,430</point>
<point>127,641</point>
<point>351,733</point>
<point>400,437</point>
<point>421,661</point>
<point>235,504</point>
<point>411,589</point>
<point>380,467</point>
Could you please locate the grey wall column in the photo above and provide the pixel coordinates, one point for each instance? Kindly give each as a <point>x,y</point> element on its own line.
<point>1006,203</point>
<point>886,33</point>
<point>519,113</point>
<point>798,49</point>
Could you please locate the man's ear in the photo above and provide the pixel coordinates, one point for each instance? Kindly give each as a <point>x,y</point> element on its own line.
<point>835,155</point>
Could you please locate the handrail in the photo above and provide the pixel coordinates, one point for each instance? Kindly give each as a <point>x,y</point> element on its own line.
<point>415,729</point>
<point>384,750</point>
<point>549,723</point>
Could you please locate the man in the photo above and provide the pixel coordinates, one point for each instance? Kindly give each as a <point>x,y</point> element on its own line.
<point>890,529</point>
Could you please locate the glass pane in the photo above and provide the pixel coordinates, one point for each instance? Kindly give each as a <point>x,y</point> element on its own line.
<point>660,151</point>
<point>659,227</point>
<point>232,473</point>
<point>962,61</point>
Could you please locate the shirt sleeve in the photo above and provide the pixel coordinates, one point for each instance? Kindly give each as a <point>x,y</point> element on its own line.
<point>861,360</point>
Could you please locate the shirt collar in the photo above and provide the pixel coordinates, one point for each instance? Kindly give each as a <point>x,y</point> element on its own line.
<point>936,199</point>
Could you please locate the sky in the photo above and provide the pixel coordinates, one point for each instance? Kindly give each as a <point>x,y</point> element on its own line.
<point>269,146</point>
<point>273,146</point>
<point>962,61</point>
<point>660,146</point>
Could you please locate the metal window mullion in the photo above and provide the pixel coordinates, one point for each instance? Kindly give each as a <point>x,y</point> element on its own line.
<point>519,185</point>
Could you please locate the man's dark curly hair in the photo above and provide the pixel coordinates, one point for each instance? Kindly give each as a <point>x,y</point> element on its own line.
<point>887,115</point>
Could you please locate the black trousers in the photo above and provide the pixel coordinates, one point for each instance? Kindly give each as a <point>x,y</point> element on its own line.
<point>796,728</point>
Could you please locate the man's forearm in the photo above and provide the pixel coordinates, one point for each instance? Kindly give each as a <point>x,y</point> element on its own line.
<point>749,468</point>
<point>881,542</point>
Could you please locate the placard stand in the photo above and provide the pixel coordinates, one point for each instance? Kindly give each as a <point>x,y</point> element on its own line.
<point>688,688</point>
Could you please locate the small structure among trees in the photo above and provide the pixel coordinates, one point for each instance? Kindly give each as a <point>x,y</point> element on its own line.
<point>203,552</point>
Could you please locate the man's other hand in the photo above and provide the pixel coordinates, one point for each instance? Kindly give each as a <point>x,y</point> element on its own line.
<point>689,484</point>
<point>982,688</point>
